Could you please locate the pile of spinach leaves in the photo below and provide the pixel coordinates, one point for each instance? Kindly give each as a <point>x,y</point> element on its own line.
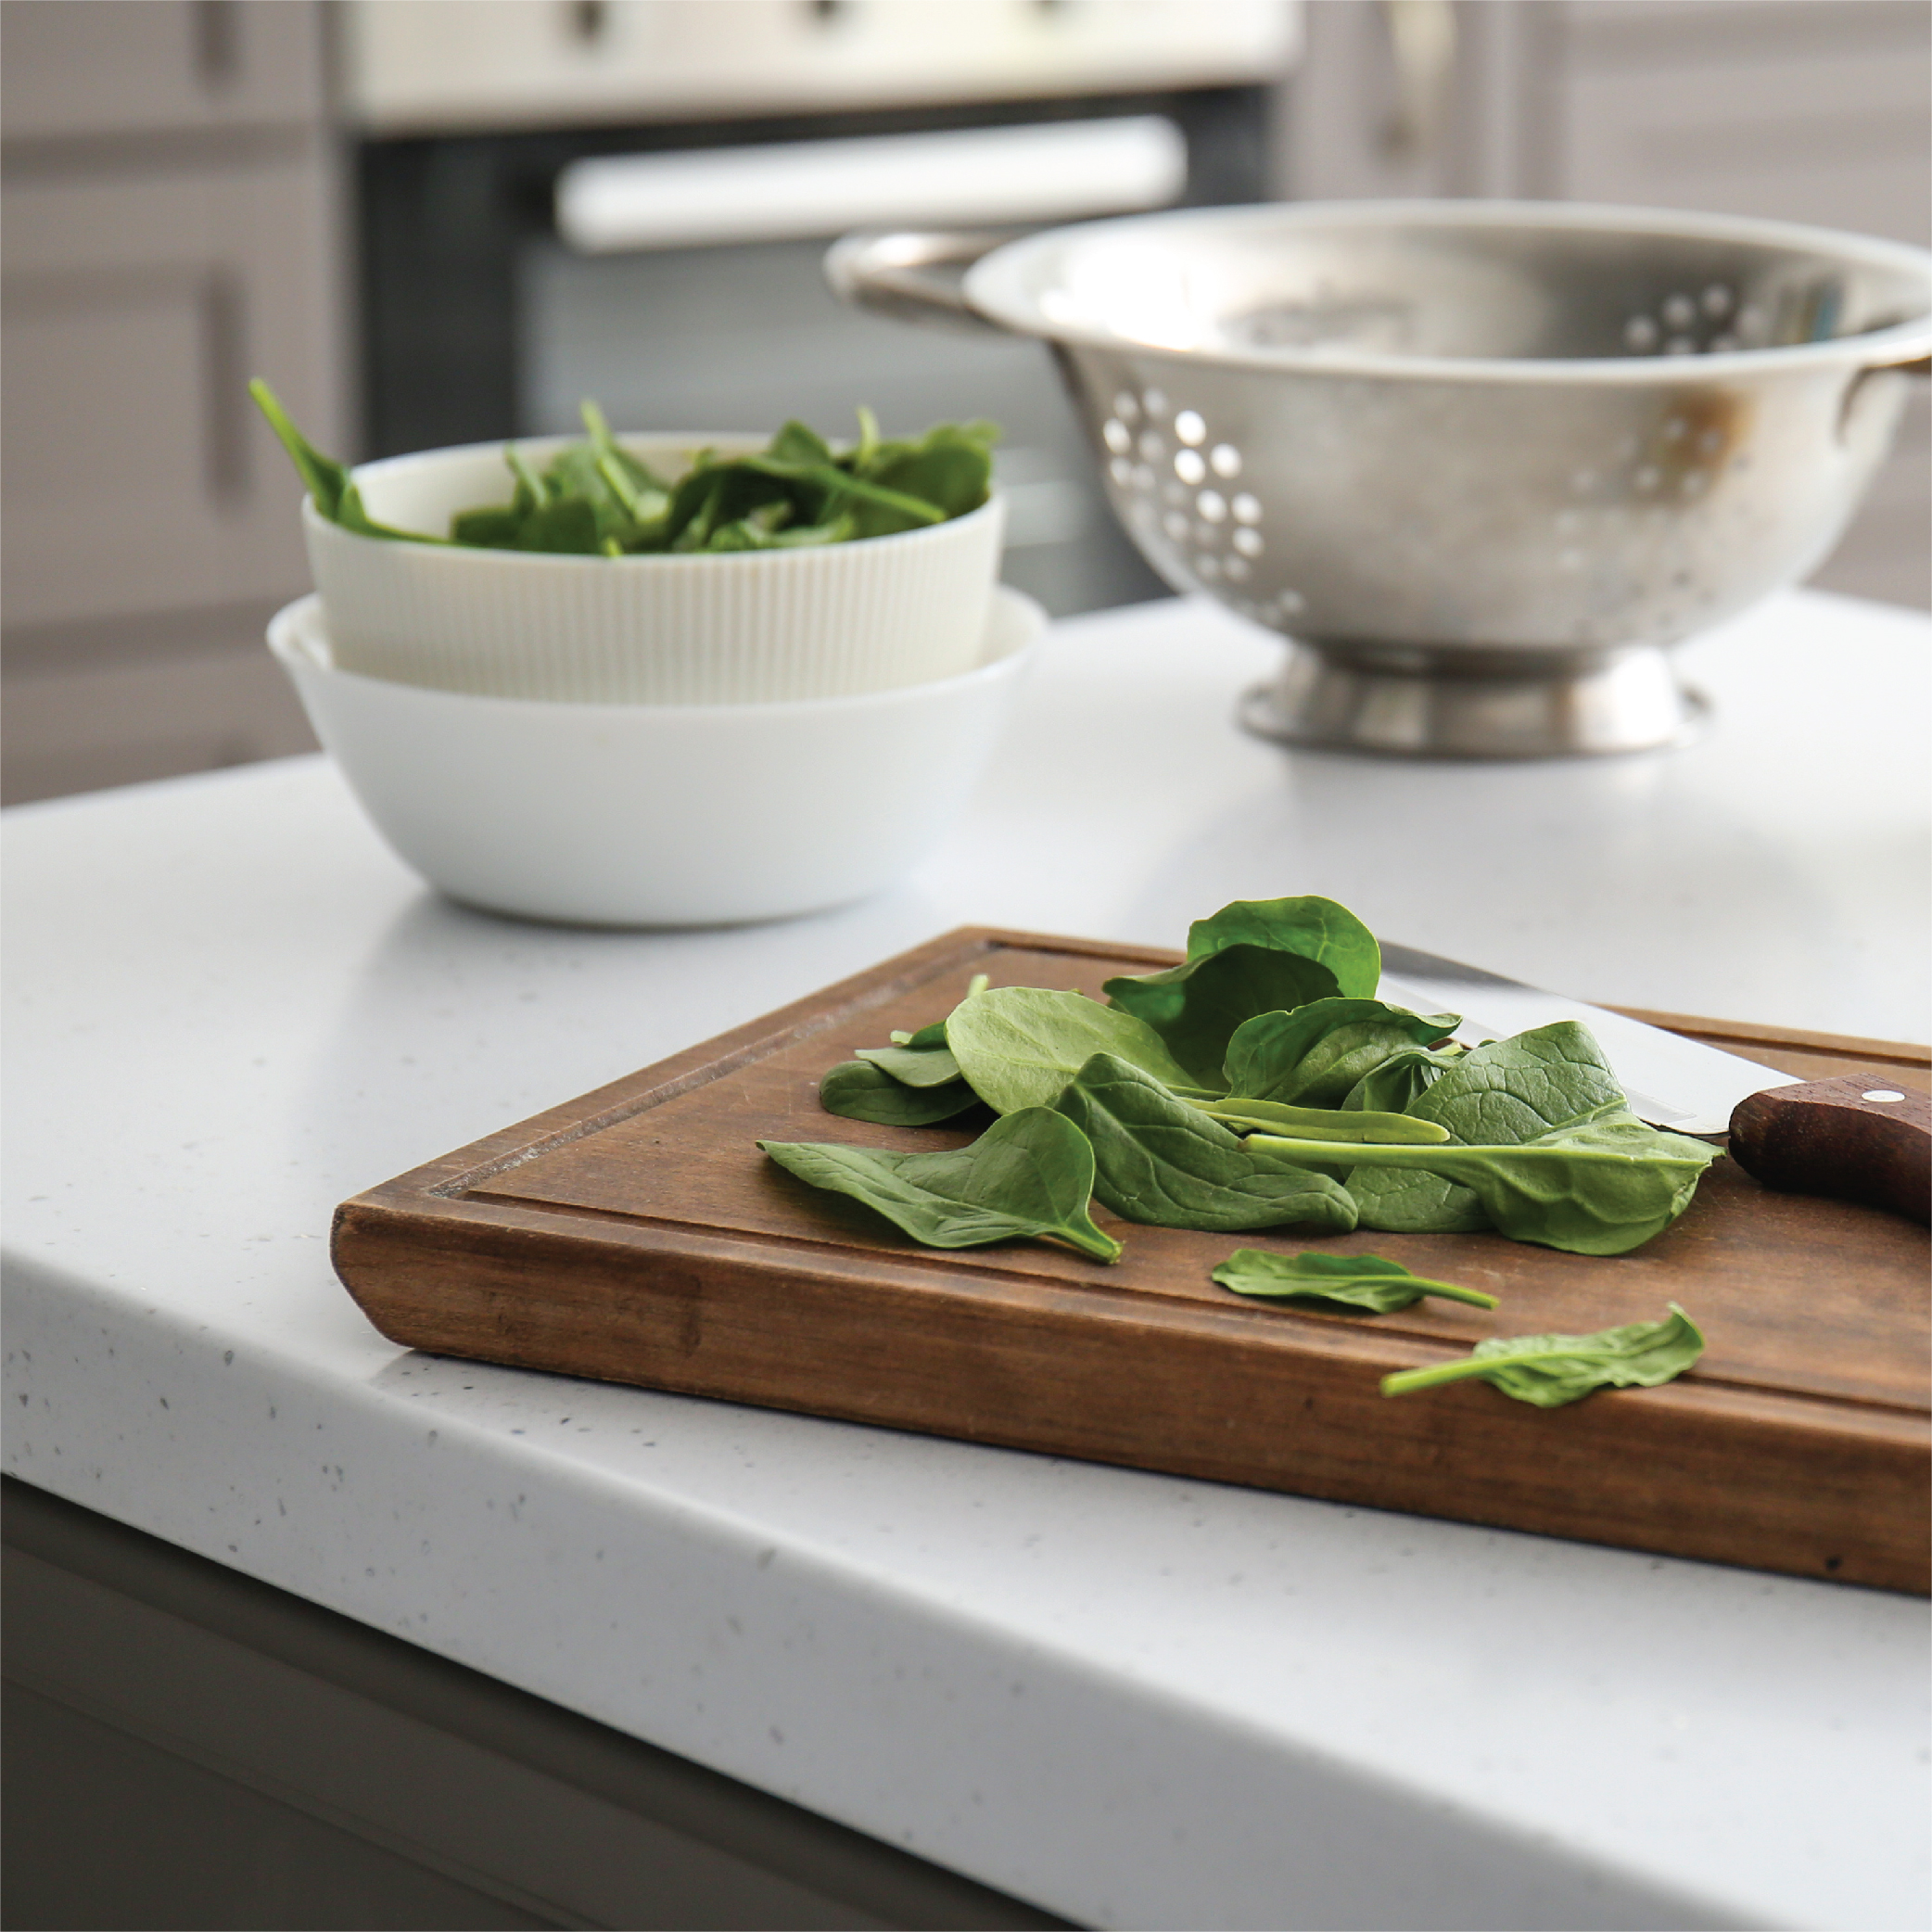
<point>595,498</point>
<point>1261,1084</point>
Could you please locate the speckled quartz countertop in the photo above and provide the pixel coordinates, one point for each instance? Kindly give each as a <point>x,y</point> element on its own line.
<point>1133,1699</point>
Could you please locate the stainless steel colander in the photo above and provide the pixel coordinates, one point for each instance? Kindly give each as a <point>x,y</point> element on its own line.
<point>1482,461</point>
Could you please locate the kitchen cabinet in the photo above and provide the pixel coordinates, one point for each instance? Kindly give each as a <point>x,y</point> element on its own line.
<point>169,201</point>
<point>265,1761</point>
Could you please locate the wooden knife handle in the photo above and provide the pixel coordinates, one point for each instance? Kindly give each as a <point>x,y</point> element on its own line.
<point>1855,1137</point>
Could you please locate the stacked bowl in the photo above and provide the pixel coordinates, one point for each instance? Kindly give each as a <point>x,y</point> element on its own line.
<point>650,740</point>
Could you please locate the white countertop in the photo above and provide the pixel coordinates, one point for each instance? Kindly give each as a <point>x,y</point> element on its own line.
<point>1133,1699</point>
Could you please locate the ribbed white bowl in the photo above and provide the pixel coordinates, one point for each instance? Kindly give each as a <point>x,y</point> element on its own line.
<point>649,815</point>
<point>743,628</point>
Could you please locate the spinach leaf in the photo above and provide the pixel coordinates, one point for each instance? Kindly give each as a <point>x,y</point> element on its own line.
<point>801,447</point>
<point>916,1066</point>
<point>1347,1283</point>
<point>1550,1370</point>
<point>1399,1081</point>
<point>324,477</point>
<point>1323,1123</point>
<point>1160,1161</point>
<point>1198,1007</point>
<point>1414,1201</point>
<point>1508,1092</point>
<point>858,1091</point>
<point>1316,928</point>
<point>1317,1054</point>
<point>1029,1174</point>
<point>486,529</point>
<point>1019,1045</point>
<point>1602,1185</point>
<point>329,485</point>
<point>1519,1089</point>
<point>949,467</point>
<point>564,527</point>
<point>626,475</point>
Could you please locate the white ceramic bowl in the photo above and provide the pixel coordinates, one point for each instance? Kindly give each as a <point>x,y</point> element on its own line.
<point>648,815</point>
<point>742,627</point>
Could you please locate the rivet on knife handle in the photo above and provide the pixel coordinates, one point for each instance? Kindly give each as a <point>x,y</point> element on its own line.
<point>1855,1137</point>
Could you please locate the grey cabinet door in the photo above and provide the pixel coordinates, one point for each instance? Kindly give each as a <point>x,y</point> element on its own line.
<point>138,476</point>
<point>127,66</point>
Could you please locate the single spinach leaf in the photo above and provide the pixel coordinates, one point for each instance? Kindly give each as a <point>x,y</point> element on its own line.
<point>1603,1184</point>
<point>1550,1370</point>
<point>1316,928</point>
<point>1029,1175</point>
<point>530,491</point>
<point>1316,1054</point>
<point>864,448</point>
<point>1412,1201</point>
<point>1323,1123</point>
<point>858,1091</point>
<point>1198,1007</point>
<point>330,486</point>
<point>1520,1088</point>
<point>486,529</point>
<point>915,1066</point>
<point>323,476</point>
<point>1160,1161</point>
<point>1019,1045</point>
<point>1399,1081</point>
<point>1508,1092</point>
<point>1350,1284</point>
<point>564,527</point>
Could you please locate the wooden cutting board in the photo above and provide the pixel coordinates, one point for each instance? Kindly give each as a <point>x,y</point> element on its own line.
<point>637,1235</point>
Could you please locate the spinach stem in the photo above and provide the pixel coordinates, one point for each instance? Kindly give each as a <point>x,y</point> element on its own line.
<point>1101,1247</point>
<point>1451,1292</point>
<point>1462,1370</point>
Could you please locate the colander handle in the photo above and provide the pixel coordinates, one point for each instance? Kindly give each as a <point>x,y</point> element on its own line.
<point>1918,365</point>
<point>914,275</point>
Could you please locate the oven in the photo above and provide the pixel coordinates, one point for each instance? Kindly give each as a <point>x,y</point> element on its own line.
<point>630,200</point>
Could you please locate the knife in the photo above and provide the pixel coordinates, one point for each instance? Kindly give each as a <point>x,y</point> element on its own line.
<point>1848,1137</point>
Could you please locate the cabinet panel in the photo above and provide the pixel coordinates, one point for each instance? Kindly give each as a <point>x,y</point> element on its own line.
<point>139,478</point>
<point>1843,139</point>
<point>122,723</point>
<point>125,67</point>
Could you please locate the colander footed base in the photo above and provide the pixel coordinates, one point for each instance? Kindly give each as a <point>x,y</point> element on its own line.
<point>1418,704</point>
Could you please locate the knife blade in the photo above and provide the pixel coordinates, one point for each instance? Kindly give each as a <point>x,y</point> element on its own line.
<point>1844,1138</point>
<point>1670,1081</point>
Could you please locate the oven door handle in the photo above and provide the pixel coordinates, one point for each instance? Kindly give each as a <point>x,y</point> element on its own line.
<point>915,274</point>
